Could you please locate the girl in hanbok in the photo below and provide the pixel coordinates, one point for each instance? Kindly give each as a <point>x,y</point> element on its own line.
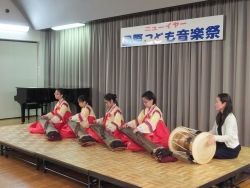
<point>86,117</point>
<point>150,122</point>
<point>57,117</point>
<point>113,121</point>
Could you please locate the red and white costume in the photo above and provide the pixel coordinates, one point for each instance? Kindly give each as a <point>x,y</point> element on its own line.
<point>112,121</point>
<point>86,117</point>
<point>150,122</point>
<point>58,116</point>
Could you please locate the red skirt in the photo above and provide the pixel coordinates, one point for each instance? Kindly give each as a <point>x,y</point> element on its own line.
<point>130,144</point>
<point>62,127</point>
<point>160,135</point>
<point>91,132</point>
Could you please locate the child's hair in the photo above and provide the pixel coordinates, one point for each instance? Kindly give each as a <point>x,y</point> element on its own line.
<point>83,98</point>
<point>62,92</point>
<point>220,118</point>
<point>149,95</point>
<point>110,96</point>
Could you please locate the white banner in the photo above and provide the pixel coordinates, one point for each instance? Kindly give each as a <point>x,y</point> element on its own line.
<point>191,30</point>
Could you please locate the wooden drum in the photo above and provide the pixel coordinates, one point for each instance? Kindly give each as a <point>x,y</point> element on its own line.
<point>191,145</point>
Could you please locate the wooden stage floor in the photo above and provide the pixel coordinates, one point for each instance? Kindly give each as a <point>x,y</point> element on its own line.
<point>123,168</point>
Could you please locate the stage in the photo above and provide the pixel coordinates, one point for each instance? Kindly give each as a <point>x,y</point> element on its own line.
<point>123,168</point>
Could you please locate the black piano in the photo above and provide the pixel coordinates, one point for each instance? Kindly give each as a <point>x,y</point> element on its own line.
<point>44,95</point>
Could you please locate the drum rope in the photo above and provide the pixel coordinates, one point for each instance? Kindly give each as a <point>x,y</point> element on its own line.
<point>179,145</point>
<point>180,154</point>
<point>186,135</point>
<point>193,131</point>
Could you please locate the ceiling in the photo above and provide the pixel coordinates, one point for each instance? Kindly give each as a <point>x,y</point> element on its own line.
<point>44,14</point>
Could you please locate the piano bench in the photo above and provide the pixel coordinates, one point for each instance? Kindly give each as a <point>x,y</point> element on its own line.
<point>30,106</point>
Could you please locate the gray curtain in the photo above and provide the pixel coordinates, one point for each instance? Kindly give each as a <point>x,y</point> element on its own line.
<point>186,77</point>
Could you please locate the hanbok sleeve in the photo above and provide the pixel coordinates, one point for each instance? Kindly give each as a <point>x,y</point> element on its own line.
<point>99,121</point>
<point>150,124</point>
<point>60,113</point>
<point>49,115</point>
<point>117,121</point>
<point>136,122</point>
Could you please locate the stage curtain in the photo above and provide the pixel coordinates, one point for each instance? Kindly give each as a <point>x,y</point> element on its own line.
<point>186,78</point>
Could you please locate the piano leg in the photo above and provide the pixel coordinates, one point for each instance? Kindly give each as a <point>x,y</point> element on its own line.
<point>23,112</point>
<point>44,108</point>
<point>41,109</point>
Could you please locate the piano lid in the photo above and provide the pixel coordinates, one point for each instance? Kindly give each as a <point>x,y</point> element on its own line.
<point>46,94</point>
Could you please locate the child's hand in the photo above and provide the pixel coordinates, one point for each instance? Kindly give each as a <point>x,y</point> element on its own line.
<point>125,125</point>
<point>135,130</point>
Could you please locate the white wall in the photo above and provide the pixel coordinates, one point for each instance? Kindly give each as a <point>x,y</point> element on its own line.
<point>19,61</point>
<point>18,64</point>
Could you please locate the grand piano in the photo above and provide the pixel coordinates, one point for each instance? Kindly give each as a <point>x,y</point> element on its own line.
<point>45,95</point>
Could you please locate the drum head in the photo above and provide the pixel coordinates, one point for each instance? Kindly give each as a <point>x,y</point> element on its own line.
<point>175,134</point>
<point>201,151</point>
